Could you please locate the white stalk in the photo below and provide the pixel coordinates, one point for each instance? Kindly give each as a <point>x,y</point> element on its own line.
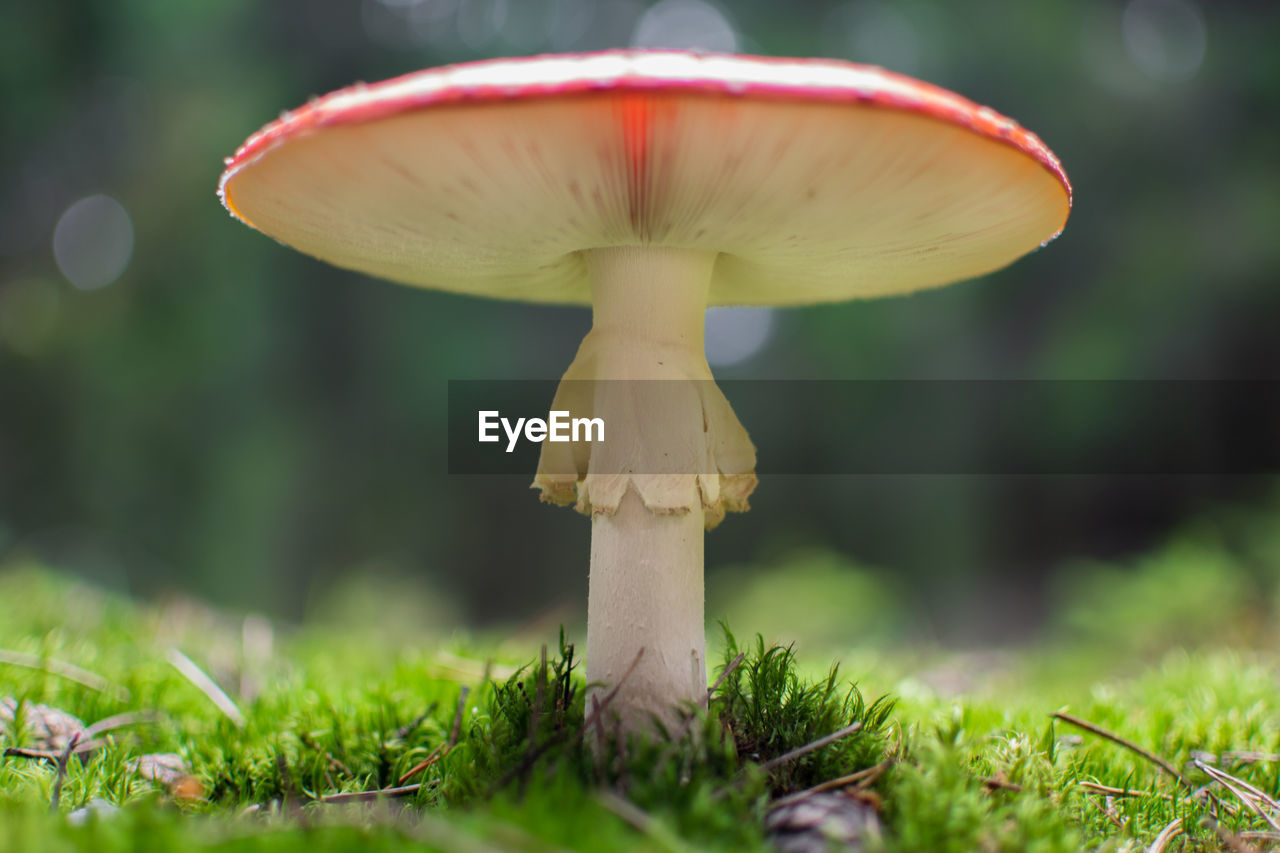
<point>673,461</point>
<point>646,593</point>
<point>646,585</point>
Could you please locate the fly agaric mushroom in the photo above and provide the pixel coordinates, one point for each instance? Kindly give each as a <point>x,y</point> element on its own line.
<point>651,184</point>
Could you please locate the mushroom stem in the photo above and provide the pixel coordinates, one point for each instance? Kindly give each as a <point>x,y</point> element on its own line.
<point>646,587</point>
<point>646,593</point>
<point>674,458</point>
<point>648,299</point>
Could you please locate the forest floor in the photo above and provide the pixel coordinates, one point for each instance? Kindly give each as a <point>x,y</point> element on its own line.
<point>168,726</point>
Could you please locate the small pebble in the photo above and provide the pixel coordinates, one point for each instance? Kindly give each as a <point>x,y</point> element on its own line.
<point>97,807</point>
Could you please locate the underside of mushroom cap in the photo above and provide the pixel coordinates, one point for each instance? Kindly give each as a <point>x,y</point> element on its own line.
<point>814,180</point>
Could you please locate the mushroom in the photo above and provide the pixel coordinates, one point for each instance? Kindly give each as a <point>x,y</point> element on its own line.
<point>651,184</point>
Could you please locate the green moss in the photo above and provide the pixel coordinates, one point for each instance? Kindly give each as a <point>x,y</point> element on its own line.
<point>328,713</point>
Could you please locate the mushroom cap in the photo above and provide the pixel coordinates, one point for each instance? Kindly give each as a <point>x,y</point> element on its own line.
<point>814,180</point>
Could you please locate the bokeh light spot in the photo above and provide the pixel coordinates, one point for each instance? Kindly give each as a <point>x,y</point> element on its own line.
<point>524,27</point>
<point>612,24</point>
<point>407,23</point>
<point>480,21</point>
<point>685,25</point>
<point>93,241</point>
<point>567,21</point>
<point>1165,39</point>
<point>735,334</point>
<point>874,32</point>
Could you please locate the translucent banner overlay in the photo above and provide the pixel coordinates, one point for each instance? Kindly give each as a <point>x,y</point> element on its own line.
<point>991,427</point>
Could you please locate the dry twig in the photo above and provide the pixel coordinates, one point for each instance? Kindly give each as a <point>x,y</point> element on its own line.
<point>613,694</point>
<point>995,783</point>
<point>367,796</point>
<point>1255,799</point>
<point>1258,835</point>
<point>432,757</point>
<point>65,670</point>
<point>1170,832</point>
<point>1249,757</point>
<point>687,725</point>
<point>334,764</point>
<point>598,753</point>
<point>862,779</point>
<point>119,721</point>
<point>52,756</point>
<point>624,764</point>
<point>564,734</point>
<point>1094,728</point>
<point>1109,812</point>
<point>733,664</point>
<point>1097,788</point>
<point>812,746</point>
<point>293,796</point>
<point>62,773</point>
<point>641,820</point>
<point>457,716</point>
<point>1231,841</point>
<point>798,752</point>
<point>412,726</point>
<point>535,711</point>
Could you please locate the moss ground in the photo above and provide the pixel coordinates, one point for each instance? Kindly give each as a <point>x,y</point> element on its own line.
<point>955,751</point>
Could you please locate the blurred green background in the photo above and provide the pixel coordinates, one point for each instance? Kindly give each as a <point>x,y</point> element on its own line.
<point>186,405</point>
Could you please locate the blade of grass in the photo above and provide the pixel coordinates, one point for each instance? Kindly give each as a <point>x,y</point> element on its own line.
<point>207,686</point>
